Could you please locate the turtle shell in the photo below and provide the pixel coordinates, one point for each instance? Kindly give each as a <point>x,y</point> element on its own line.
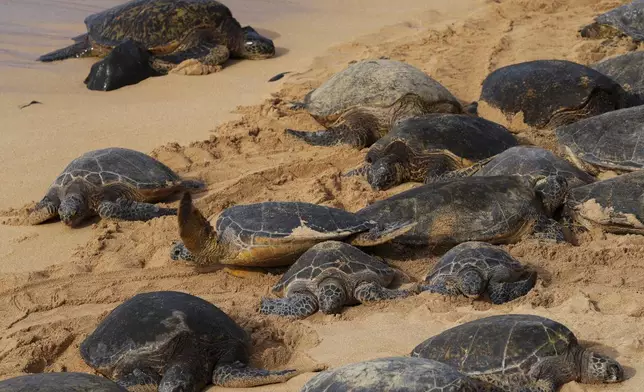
<point>160,25</point>
<point>609,141</point>
<point>506,344</point>
<point>480,255</point>
<point>334,259</point>
<point>628,19</point>
<point>532,160</point>
<point>392,374</point>
<point>550,93</point>
<point>496,209</point>
<point>116,165</point>
<point>627,71</point>
<point>615,204</point>
<point>148,330</point>
<point>376,84</point>
<point>59,382</point>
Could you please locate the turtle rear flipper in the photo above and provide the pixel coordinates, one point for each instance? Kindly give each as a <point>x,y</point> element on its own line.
<point>80,48</point>
<point>238,375</point>
<point>379,235</point>
<point>502,292</point>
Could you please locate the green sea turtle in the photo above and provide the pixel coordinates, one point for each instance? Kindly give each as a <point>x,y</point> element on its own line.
<point>625,20</point>
<point>519,353</point>
<point>175,341</point>
<point>271,234</point>
<point>395,374</point>
<point>610,141</point>
<point>359,105</point>
<point>173,31</point>
<point>550,93</point>
<point>327,277</point>
<point>533,160</point>
<point>616,205</point>
<point>474,268</point>
<point>432,145</point>
<point>114,183</point>
<point>626,70</point>
<point>496,209</point>
<point>59,382</point>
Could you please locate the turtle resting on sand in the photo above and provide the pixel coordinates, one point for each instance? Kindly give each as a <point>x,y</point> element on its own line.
<point>497,209</point>
<point>614,205</point>
<point>359,105</point>
<point>394,374</point>
<point>114,183</point>
<point>328,276</point>
<point>173,32</point>
<point>607,142</point>
<point>519,353</point>
<point>550,93</point>
<point>475,268</point>
<point>625,20</point>
<point>532,160</point>
<point>175,341</point>
<point>431,146</point>
<point>59,382</point>
<point>271,234</point>
<point>627,71</point>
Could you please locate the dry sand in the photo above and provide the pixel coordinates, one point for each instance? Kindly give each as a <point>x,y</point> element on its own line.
<point>57,283</point>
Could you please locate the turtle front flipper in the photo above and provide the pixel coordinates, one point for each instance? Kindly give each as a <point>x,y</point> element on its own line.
<point>362,171</point>
<point>548,230</point>
<point>238,375</point>
<point>199,60</point>
<point>502,292</point>
<point>370,292</point>
<point>433,177</point>
<point>300,305</point>
<point>44,210</point>
<point>131,210</point>
<point>186,372</point>
<point>379,235</point>
<point>139,380</point>
<point>81,48</point>
<point>442,286</point>
<point>538,386</point>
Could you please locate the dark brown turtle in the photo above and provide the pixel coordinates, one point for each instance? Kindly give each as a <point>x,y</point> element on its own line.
<point>59,382</point>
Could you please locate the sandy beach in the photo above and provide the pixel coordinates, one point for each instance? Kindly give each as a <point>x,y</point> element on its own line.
<point>227,128</point>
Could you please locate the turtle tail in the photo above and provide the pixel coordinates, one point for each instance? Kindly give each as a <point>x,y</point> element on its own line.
<point>194,229</point>
<point>81,48</point>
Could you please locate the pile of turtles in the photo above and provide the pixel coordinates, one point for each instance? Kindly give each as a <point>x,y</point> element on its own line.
<point>478,187</point>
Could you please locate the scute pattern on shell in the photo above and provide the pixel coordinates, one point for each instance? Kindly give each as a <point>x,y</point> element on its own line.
<point>59,382</point>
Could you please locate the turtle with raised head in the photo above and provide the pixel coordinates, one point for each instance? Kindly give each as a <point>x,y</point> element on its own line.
<point>432,145</point>
<point>474,268</point>
<point>176,342</point>
<point>533,160</point>
<point>395,374</point>
<point>626,70</point>
<point>497,209</point>
<point>327,277</point>
<point>271,234</point>
<point>519,352</point>
<point>172,31</point>
<point>114,182</point>
<point>550,93</point>
<point>625,20</point>
<point>59,382</point>
<point>614,205</point>
<point>359,105</point>
<point>610,141</point>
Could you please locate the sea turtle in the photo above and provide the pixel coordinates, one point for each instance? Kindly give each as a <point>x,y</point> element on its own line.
<point>550,93</point>
<point>610,141</point>
<point>519,353</point>
<point>271,234</point>
<point>175,341</point>
<point>432,145</point>
<point>114,183</point>
<point>173,31</point>
<point>474,268</point>
<point>59,382</point>
<point>533,160</point>
<point>627,71</point>
<point>616,205</point>
<point>496,209</point>
<point>625,20</point>
<point>394,374</point>
<point>328,276</point>
<point>360,104</point>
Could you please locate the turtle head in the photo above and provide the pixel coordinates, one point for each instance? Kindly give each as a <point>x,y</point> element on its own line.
<point>73,209</point>
<point>256,46</point>
<point>385,173</point>
<point>598,369</point>
<point>470,282</point>
<point>180,252</point>
<point>552,190</point>
<point>331,296</point>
